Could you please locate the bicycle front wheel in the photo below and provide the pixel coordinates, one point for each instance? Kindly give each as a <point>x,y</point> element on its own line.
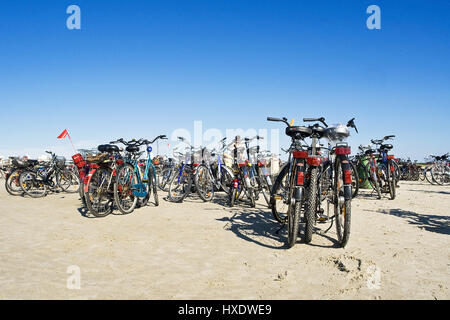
<point>180,185</point>
<point>204,183</point>
<point>68,181</point>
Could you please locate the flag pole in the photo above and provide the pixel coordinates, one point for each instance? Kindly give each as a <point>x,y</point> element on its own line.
<point>71,142</point>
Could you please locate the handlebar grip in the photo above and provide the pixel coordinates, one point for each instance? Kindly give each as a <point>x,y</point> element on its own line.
<point>310,119</point>
<point>273,119</point>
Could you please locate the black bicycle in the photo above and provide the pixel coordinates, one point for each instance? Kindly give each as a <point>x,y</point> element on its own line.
<point>38,180</point>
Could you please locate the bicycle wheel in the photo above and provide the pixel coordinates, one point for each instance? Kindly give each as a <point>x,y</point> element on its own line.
<point>204,183</point>
<point>124,183</point>
<point>264,185</point>
<point>342,207</point>
<point>226,178</point>
<point>391,179</point>
<point>32,184</point>
<point>396,172</point>
<point>373,180</point>
<point>180,185</point>
<point>293,223</point>
<point>68,181</point>
<point>12,184</point>
<point>232,197</point>
<point>437,175</point>
<point>428,176</point>
<point>164,178</point>
<point>279,198</point>
<point>155,190</point>
<point>355,180</point>
<point>98,198</point>
<point>311,204</point>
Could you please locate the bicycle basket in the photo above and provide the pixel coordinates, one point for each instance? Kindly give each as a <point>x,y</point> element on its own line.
<point>78,160</point>
<point>241,156</point>
<point>61,162</point>
<point>97,158</point>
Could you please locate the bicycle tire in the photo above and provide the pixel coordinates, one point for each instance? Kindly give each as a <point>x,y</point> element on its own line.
<point>311,204</point>
<point>293,223</point>
<point>89,198</point>
<point>30,187</point>
<point>275,193</point>
<point>13,178</point>
<point>341,211</point>
<point>120,193</point>
<point>203,173</point>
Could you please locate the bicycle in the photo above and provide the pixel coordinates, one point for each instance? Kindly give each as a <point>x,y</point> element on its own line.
<point>386,166</point>
<point>288,196</point>
<point>98,183</point>
<point>209,178</point>
<point>135,180</point>
<point>244,181</point>
<point>36,181</point>
<point>12,182</point>
<point>335,181</point>
<point>181,183</point>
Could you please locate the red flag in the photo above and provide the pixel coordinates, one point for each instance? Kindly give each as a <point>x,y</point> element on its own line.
<point>63,134</point>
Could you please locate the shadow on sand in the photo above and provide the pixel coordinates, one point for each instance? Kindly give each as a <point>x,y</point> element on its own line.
<point>429,222</point>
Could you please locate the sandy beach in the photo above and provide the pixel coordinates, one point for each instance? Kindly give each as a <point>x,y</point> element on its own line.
<point>398,249</point>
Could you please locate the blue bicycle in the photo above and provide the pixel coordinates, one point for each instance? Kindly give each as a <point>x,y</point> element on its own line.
<point>135,179</point>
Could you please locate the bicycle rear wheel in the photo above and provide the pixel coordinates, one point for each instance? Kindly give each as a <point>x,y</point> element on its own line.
<point>124,198</point>
<point>373,180</point>
<point>293,223</point>
<point>12,183</point>
<point>180,185</point>
<point>311,204</point>
<point>355,180</point>
<point>32,184</point>
<point>342,209</point>
<point>98,198</point>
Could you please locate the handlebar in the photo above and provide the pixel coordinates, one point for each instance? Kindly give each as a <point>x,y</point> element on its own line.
<point>321,119</point>
<point>284,120</point>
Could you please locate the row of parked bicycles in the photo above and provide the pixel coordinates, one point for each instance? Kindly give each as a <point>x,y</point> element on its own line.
<point>315,185</point>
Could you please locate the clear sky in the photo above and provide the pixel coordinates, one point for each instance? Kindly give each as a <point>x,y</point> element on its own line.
<point>144,68</point>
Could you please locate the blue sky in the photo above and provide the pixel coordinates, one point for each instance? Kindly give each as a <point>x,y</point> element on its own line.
<point>144,68</point>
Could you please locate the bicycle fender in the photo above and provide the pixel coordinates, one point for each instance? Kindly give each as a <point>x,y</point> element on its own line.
<point>347,187</point>
<point>298,193</point>
<point>87,180</point>
<point>347,192</point>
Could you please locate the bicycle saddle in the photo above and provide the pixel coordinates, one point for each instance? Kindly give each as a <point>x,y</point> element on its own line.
<point>369,151</point>
<point>109,148</point>
<point>132,149</point>
<point>319,131</point>
<point>298,132</point>
<point>386,147</point>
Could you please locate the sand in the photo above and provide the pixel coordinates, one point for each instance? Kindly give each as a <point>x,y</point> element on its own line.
<point>398,249</point>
